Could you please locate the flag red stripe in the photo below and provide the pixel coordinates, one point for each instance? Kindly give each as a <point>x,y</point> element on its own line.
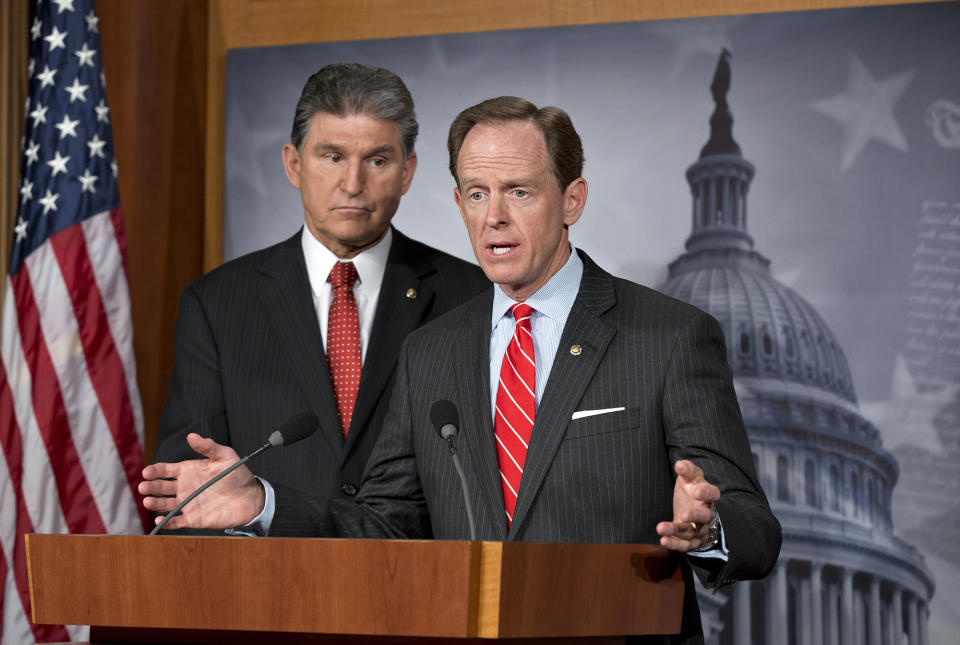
<point>116,216</point>
<point>76,498</point>
<point>13,452</point>
<point>103,359</point>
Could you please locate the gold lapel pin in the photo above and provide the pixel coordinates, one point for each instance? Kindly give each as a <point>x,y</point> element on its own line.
<point>575,350</point>
<point>411,293</point>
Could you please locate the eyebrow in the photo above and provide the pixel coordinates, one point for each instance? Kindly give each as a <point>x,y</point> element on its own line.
<point>326,146</point>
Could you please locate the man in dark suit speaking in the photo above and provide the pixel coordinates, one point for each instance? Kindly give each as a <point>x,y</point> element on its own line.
<point>591,409</point>
<point>316,322</point>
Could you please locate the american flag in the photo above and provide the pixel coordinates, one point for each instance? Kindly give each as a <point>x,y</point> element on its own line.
<point>71,422</point>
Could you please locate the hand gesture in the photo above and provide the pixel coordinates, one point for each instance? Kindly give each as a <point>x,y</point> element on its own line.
<point>234,501</point>
<point>693,512</point>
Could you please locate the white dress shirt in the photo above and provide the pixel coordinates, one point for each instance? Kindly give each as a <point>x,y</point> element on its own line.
<point>371,264</point>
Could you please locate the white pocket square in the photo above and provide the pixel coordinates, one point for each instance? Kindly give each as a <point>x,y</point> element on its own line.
<point>589,413</point>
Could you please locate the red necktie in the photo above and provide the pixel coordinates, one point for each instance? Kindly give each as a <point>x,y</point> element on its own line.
<point>343,341</point>
<point>516,407</point>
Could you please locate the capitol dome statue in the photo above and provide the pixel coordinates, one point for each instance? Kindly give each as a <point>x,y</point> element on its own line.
<point>844,576</point>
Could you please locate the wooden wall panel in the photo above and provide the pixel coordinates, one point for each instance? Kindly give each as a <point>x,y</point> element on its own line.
<point>154,56</point>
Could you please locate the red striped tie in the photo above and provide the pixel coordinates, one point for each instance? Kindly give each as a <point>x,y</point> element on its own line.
<point>516,406</point>
<point>343,341</point>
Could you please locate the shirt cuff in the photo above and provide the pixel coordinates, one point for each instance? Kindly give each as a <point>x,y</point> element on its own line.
<point>719,550</point>
<point>260,525</point>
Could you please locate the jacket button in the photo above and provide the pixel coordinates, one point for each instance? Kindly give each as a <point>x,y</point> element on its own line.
<point>349,489</point>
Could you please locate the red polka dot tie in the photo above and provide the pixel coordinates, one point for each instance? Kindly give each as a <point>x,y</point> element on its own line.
<point>516,407</point>
<point>343,341</point>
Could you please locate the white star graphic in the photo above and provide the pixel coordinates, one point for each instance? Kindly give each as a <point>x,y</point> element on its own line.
<point>96,146</point>
<point>87,180</point>
<point>92,21</point>
<point>113,167</point>
<point>102,111</point>
<point>31,67</point>
<point>77,91</point>
<point>63,5</point>
<point>56,39</point>
<point>26,191</point>
<point>31,153</point>
<point>35,29</point>
<point>46,76</point>
<point>58,163</point>
<point>866,110</point>
<point>85,54</point>
<point>67,127</point>
<point>20,230</point>
<point>49,201</point>
<point>103,78</point>
<point>39,115</point>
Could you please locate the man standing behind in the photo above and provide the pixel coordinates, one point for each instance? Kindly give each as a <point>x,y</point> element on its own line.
<point>592,409</point>
<point>316,322</point>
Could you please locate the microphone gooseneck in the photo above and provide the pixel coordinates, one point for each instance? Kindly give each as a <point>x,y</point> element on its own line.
<point>299,426</point>
<point>446,420</point>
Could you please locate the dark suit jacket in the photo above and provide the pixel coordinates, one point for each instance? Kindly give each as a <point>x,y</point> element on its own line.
<point>249,354</point>
<point>606,478</point>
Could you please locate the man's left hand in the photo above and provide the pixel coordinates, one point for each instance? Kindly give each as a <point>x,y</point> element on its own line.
<point>693,512</point>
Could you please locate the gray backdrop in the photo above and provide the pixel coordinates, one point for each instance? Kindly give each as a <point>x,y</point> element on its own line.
<point>852,118</point>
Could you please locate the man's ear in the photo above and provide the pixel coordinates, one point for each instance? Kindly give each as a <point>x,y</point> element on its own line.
<point>574,200</point>
<point>409,168</point>
<point>291,164</point>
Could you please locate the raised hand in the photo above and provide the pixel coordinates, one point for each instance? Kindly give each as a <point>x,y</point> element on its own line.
<point>693,500</point>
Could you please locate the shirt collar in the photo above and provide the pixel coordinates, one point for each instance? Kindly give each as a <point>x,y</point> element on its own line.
<point>371,263</point>
<point>554,299</point>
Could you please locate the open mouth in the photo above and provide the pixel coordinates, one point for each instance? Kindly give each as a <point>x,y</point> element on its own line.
<point>501,249</point>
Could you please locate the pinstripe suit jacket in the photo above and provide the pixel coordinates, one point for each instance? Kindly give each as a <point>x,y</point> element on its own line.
<point>606,478</point>
<point>249,354</point>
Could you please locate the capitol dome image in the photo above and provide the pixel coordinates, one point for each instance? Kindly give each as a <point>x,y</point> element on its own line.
<point>843,576</point>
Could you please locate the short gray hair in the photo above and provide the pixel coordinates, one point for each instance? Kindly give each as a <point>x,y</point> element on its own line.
<point>345,89</point>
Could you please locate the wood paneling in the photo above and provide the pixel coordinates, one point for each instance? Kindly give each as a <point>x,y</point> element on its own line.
<point>154,57</point>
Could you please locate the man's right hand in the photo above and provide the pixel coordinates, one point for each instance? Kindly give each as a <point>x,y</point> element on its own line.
<point>233,501</point>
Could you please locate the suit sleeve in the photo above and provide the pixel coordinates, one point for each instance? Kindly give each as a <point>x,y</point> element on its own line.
<point>390,503</point>
<point>703,423</point>
<point>195,402</point>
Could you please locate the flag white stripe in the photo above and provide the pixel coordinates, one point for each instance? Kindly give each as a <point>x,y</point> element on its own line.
<point>39,485</point>
<point>107,262</point>
<point>16,629</point>
<point>88,426</point>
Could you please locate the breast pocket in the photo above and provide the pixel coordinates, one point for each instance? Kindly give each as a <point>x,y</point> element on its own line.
<point>603,422</point>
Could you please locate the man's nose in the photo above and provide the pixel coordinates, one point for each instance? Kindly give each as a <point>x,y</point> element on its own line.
<point>352,180</point>
<point>497,213</point>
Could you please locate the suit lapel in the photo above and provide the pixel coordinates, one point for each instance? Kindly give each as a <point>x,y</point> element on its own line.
<point>399,312</point>
<point>476,423</point>
<point>569,378</point>
<point>285,296</point>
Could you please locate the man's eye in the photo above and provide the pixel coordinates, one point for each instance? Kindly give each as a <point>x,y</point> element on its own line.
<point>519,192</point>
<point>377,162</point>
<point>476,196</point>
<point>334,157</point>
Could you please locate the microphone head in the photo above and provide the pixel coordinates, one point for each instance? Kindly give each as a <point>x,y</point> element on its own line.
<point>299,426</point>
<point>445,418</point>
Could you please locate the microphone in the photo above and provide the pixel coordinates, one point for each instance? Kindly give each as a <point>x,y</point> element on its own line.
<point>299,426</point>
<point>446,420</point>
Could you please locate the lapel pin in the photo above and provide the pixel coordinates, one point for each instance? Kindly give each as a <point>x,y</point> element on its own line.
<point>411,293</point>
<point>575,350</point>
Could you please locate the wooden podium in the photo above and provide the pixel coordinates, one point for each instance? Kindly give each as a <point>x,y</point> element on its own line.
<point>134,589</point>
